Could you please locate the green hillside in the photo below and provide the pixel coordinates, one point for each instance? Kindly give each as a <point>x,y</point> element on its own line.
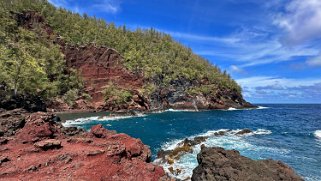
<point>32,64</point>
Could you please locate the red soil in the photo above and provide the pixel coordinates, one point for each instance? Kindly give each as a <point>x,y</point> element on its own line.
<point>44,150</point>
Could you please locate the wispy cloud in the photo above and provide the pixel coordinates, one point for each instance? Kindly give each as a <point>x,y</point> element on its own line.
<point>234,68</point>
<point>195,37</point>
<point>106,6</point>
<point>250,52</point>
<point>281,89</point>
<point>315,62</point>
<point>300,21</point>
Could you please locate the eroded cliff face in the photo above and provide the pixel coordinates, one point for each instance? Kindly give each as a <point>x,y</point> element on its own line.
<point>101,67</point>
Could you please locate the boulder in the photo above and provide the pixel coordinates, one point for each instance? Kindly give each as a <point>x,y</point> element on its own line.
<point>244,131</point>
<point>219,164</point>
<point>100,132</point>
<point>38,126</point>
<point>11,121</point>
<point>48,144</point>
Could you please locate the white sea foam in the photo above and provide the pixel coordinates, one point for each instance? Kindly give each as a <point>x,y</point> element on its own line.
<point>230,140</point>
<point>232,109</point>
<point>317,134</point>
<point>235,109</point>
<point>262,107</point>
<point>81,121</point>
<point>181,110</point>
<point>262,131</point>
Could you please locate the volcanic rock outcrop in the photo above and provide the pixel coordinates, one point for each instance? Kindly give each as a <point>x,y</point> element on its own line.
<point>219,164</point>
<point>42,149</point>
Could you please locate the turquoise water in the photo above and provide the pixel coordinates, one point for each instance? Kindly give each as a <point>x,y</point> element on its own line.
<point>284,132</point>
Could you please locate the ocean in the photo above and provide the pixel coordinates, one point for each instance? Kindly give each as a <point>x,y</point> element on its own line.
<point>287,132</point>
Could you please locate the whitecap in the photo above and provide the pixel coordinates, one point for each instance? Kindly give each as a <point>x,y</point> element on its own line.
<point>81,121</point>
<point>232,109</point>
<point>246,109</point>
<point>262,107</point>
<point>181,110</point>
<point>317,134</point>
<point>262,132</point>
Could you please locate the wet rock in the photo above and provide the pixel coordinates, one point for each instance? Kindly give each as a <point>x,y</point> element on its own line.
<point>219,164</point>
<point>48,144</point>
<point>163,153</point>
<point>199,139</point>
<point>180,150</point>
<point>244,131</point>
<point>220,133</point>
<point>174,171</point>
<point>195,141</point>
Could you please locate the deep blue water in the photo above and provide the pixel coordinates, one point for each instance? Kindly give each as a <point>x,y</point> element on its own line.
<point>292,131</point>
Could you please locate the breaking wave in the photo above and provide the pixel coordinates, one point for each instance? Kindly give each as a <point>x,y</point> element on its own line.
<point>230,140</point>
<point>235,109</point>
<point>81,121</point>
<point>317,134</point>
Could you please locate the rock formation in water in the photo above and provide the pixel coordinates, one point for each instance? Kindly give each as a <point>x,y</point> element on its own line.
<point>38,147</point>
<point>219,164</point>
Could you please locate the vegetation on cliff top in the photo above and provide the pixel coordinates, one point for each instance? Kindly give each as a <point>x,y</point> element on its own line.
<point>32,64</point>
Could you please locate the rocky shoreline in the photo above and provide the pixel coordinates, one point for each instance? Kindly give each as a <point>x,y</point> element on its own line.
<point>219,164</point>
<point>35,146</point>
<point>40,148</point>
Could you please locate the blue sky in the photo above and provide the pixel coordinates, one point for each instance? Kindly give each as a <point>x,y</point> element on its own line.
<point>271,48</point>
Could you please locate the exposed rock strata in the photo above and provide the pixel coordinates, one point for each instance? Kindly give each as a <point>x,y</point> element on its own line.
<point>42,149</point>
<point>219,164</point>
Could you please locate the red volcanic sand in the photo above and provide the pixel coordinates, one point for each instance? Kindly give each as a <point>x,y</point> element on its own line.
<point>44,150</point>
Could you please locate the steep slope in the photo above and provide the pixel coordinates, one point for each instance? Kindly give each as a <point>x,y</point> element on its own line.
<point>149,71</point>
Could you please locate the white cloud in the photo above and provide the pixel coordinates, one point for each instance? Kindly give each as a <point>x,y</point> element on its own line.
<point>250,47</point>
<point>252,52</point>
<point>236,69</point>
<point>276,89</point>
<point>195,37</point>
<point>301,21</point>
<point>315,62</point>
<point>110,6</point>
<point>106,6</point>
<point>58,3</point>
<point>262,81</point>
